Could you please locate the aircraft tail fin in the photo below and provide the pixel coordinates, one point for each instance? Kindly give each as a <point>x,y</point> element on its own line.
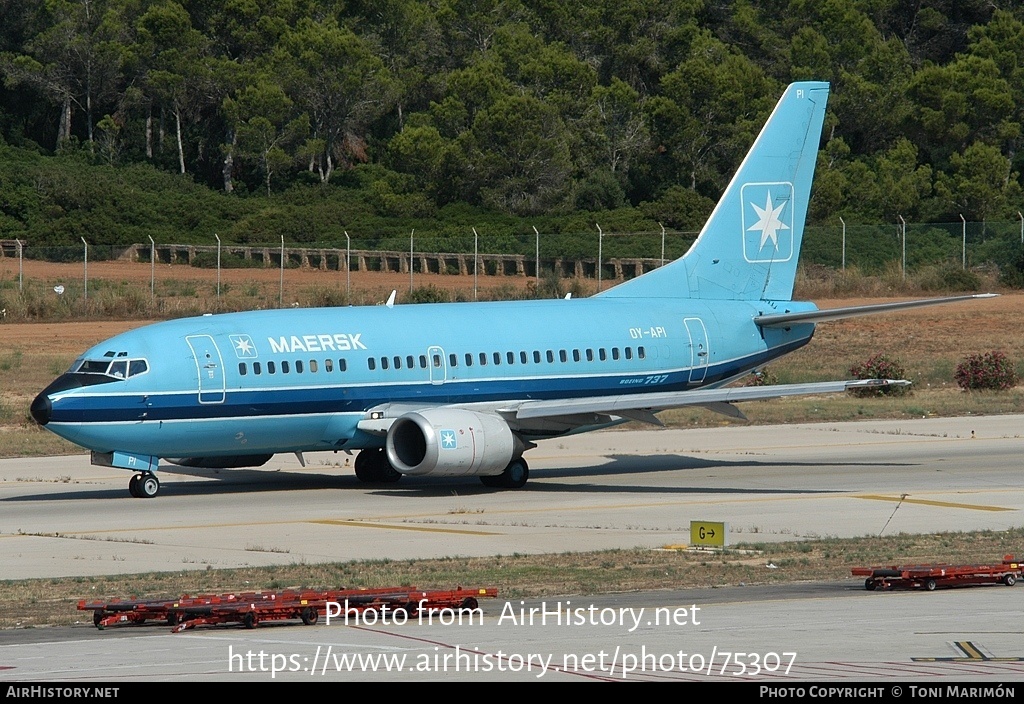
<point>749,247</point>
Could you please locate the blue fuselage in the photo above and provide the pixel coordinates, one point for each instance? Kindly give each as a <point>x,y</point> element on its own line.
<point>301,380</point>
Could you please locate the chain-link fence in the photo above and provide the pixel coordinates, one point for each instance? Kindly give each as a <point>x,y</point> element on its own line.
<point>601,258</point>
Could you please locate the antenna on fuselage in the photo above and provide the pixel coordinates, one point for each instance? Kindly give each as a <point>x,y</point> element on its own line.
<point>391,299</point>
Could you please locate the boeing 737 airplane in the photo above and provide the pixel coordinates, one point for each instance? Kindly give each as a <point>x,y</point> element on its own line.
<point>465,389</point>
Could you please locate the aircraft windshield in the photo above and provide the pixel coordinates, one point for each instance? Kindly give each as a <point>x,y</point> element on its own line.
<point>119,369</point>
<point>92,366</point>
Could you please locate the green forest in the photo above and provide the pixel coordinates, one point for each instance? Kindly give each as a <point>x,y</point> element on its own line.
<point>306,119</point>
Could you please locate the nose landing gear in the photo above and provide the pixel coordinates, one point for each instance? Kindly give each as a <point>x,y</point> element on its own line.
<point>144,485</point>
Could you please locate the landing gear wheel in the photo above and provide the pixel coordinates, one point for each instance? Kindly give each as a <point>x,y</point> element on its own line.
<point>514,476</point>
<point>148,486</point>
<point>133,486</point>
<point>372,467</point>
<point>364,465</point>
<point>1009,580</point>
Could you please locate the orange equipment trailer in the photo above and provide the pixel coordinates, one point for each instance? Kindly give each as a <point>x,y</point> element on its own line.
<point>932,576</point>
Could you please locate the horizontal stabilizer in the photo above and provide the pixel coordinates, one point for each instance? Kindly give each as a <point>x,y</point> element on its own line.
<point>779,320</point>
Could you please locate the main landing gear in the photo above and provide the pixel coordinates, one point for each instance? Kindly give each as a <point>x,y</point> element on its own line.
<point>144,486</point>
<point>372,467</point>
<point>514,476</point>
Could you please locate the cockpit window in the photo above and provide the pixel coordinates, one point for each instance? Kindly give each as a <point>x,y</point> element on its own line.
<point>93,366</point>
<point>119,368</point>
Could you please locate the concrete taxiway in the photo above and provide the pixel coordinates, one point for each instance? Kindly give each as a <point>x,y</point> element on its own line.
<point>624,488</point>
<point>614,489</point>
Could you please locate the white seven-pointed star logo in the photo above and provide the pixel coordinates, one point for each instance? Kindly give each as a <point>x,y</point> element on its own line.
<point>769,223</point>
<point>244,347</point>
<point>448,438</point>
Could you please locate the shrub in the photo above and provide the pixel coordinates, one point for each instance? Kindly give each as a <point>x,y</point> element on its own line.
<point>991,370</point>
<point>761,377</point>
<point>1011,273</point>
<point>428,294</point>
<point>949,277</point>
<point>879,366</point>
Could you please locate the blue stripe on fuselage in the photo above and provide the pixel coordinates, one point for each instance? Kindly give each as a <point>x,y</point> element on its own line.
<point>101,408</point>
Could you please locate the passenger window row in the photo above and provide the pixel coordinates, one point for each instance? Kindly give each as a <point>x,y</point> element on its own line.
<point>286,368</point>
<point>497,358</point>
<point>434,360</point>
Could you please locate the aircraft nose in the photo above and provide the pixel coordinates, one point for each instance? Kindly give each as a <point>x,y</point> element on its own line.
<point>41,409</point>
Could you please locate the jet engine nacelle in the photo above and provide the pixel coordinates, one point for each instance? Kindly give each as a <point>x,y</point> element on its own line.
<point>451,443</point>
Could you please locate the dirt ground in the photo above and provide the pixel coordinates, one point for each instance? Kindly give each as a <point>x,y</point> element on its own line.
<point>967,328</point>
<point>122,272</point>
<point>962,327</point>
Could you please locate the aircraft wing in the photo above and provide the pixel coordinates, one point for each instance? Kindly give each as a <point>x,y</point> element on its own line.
<point>643,406</point>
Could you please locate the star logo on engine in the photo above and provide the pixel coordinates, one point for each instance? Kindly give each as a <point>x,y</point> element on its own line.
<point>448,441</point>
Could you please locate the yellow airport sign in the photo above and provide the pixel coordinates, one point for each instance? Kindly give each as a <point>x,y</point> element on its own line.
<point>708,534</point>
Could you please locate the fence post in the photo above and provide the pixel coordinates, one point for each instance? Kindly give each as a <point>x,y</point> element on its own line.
<point>844,241</point>
<point>218,263</point>
<point>537,254</point>
<point>86,268</point>
<point>662,244</point>
<point>476,251</point>
<point>152,267</point>
<point>904,246</point>
<point>348,267</point>
<point>963,255</point>
<point>600,244</point>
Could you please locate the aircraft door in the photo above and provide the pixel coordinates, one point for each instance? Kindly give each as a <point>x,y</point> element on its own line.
<point>437,365</point>
<point>699,352</point>
<point>210,367</point>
